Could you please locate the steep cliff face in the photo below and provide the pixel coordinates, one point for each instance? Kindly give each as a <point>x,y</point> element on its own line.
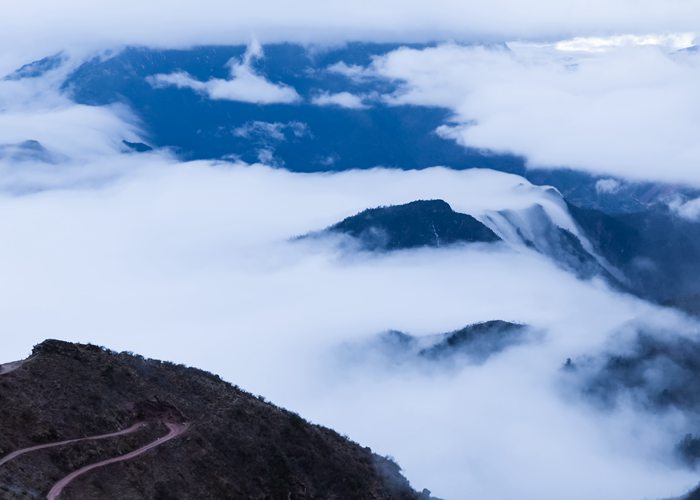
<point>164,431</point>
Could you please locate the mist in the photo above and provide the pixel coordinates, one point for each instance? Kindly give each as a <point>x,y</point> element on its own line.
<point>37,28</point>
<point>198,262</point>
<point>195,263</point>
<point>608,106</point>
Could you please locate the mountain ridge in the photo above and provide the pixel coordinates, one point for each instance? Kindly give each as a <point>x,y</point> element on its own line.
<point>235,445</point>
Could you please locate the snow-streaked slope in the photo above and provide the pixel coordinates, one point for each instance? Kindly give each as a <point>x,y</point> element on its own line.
<point>525,216</point>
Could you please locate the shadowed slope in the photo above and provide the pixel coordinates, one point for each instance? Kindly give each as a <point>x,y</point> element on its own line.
<point>236,445</point>
<point>422,223</point>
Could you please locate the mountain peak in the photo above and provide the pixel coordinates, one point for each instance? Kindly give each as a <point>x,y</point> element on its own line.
<point>420,223</point>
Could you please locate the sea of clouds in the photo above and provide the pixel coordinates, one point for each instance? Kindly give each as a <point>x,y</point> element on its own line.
<point>193,262</point>
<point>196,262</point>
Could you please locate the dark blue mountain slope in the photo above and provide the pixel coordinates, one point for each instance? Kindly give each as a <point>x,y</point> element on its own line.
<point>332,138</point>
<point>421,223</point>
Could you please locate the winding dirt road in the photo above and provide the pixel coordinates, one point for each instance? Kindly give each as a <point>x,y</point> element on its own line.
<point>174,430</point>
<point>17,453</point>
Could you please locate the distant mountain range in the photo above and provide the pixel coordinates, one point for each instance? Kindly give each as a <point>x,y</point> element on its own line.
<point>653,254</point>
<point>627,232</point>
<point>308,134</point>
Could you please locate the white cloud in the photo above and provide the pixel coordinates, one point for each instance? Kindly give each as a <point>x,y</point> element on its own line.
<point>607,186</point>
<point>632,112</point>
<point>191,262</point>
<point>675,41</point>
<point>36,28</point>
<point>687,209</point>
<point>274,131</point>
<point>245,84</point>
<point>352,71</point>
<point>178,79</point>
<point>73,130</point>
<point>34,110</point>
<point>340,99</point>
<point>266,135</point>
<point>267,156</point>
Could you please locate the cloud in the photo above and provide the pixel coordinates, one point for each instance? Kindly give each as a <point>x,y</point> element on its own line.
<point>275,131</point>
<point>607,186</point>
<point>267,156</point>
<point>605,93</point>
<point>687,209</point>
<point>340,99</point>
<point>34,109</point>
<point>629,112</point>
<point>71,129</point>
<point>267,135</point>
<point>40,27</point>
<point>245,84</point>
<point>352,71</point>
<point>675,41</point>
<point>193,262</point>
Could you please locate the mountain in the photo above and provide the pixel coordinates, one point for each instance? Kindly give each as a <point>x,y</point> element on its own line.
<point>473,344</point>
<point>654,253</point>
<point>478,341</point>
<point>628,235</point>
<point>307,134</point>
<point>656,250</point>
<point>304,135</point>
<point>543,223</point>
<point>656,371</point>
<point>422,223</point>
<point>562,241</point>
<point>660,370</point>
<point>29,150</point>
<point>300,135</point>
<point>36,69</point>
<point>141,428</point>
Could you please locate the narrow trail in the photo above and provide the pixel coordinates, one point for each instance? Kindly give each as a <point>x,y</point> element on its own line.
<point>174,430</point>
<point>18,453</point>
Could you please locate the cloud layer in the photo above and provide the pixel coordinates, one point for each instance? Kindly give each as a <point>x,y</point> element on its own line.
<point>245,84</point>
<point>40,27</point>
<point>193,263</point>
<point>632,111</point>
<point>340,99</point>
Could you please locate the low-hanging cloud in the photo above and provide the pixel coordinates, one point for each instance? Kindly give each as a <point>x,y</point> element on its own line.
<point>33,109</point>
<point>271,131</point>
<point>340,99</point>
<point>631,112</point>
<point>194,263</point>
<point>36,28</point>
<point>687,209</point>
<point>245,84</point>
